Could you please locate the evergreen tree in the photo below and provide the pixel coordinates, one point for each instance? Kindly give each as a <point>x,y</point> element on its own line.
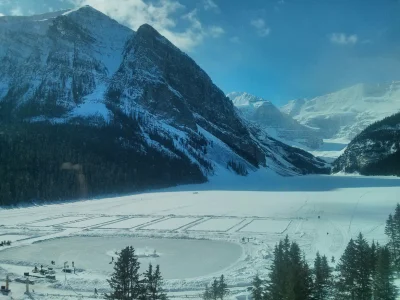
<point>383,287</point>
<point>153,282</point>
<point>390,231</point>
<point>290,277</point>
<point>396,240</point>
<point>363,268</point>
<point>322,278</point>
<point>354,268</point>
<point>275,288</point>
<point>318,278</point>
<point>124,282</point>
<point>307,285</point>
<point>327,275</point>
<point>207,295</point>
<point>346,268</point>
<point>147,281</point>
<point>257,289</point>
<point>222,288</point>
<point>215,289</point>
<point>158,291</point>
<point>373,258</point>
<point>298,280</point>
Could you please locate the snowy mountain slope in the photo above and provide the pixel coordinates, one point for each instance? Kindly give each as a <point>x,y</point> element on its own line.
<point>344,114</point>
<point>80,78</point>
<point>375,151</point>
<point>279,125</point>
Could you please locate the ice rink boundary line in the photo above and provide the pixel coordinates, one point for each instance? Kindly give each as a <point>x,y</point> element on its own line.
<point>142,226</point>
<point>44,219</point>
<point>200,221</point>
<point>92,226</point>
<point>62,223</point>
<point>237,224</point>
<point>71,222</point>
<point>107,223</point>
<point>213,230</point>
<point>263,233</point>
<point>132,227</point>
<point>83,216</point>
<point>251,221</point>
<point>188,224</point>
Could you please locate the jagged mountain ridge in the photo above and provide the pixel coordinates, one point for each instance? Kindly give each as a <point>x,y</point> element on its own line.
<point>375,151</point>
<point>344,114</point>
<point>81,68</point>
<point>277,124</point>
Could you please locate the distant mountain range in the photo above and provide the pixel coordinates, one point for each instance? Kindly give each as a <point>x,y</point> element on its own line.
<point>89,107</point>
<point>344,114</point>
<point>277,124</point>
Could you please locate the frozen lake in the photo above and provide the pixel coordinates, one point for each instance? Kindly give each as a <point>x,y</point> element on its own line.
<point>179,258</point>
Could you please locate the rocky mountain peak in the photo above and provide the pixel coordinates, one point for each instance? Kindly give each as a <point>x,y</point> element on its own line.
<point>243,98</point>
<point>265,114</point>
<point>137,92</point>
<point>345,113</point>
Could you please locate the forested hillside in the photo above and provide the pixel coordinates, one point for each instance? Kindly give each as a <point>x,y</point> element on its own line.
<point>71,161</point>
<point>375,151</point>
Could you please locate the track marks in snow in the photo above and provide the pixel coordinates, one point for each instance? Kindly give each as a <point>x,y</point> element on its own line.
<point>355,209</point>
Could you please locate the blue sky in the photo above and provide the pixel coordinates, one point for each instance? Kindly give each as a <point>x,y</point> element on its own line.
<point>276,49</point>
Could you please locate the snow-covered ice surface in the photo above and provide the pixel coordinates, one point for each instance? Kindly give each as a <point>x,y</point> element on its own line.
<point>92,253</point>
<point>248,214</point>
<point>330,149</point>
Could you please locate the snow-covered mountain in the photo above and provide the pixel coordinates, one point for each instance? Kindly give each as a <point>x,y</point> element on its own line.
<point>375,151</point>
<point>277,124</point>
<point>344,114</point>
<point>81,77</point>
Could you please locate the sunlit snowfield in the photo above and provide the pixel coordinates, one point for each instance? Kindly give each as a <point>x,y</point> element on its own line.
<point>321,212</point>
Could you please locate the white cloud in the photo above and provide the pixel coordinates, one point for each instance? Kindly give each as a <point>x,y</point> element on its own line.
<point>162,15</point>
<point>235,40</point>
<point>216,31</point>
<point>16,11</point>
<point>343,39</point>
<point>262,29</point>
<point>2,15</point>
<point>278,5</point>
<point>210,5</point>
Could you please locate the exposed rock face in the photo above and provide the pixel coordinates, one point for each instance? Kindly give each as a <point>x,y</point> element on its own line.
<point>161,78</point>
